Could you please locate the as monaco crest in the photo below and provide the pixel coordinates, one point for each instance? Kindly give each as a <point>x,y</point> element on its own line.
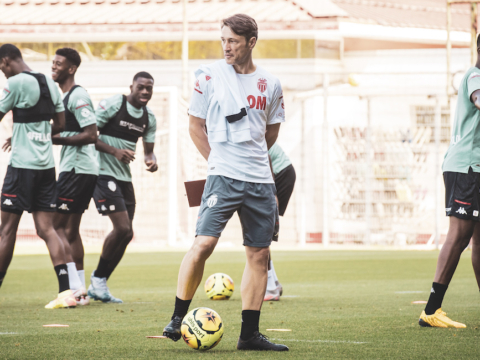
<point>262,85</point>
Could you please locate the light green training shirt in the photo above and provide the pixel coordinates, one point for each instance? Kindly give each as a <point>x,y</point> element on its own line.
<point>107,109</point>
<point>464,149</point>
<point>279,159</point>
<point>31,142</point>
<point>81,158</point>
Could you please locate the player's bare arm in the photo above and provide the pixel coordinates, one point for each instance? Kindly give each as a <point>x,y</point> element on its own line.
<point>58,123</point>
<point>271,134</point>
<point>149,156</point>
<point>88,136</point>
<point>198,133</point>
<point>124,155</point>
<point>476,99</point>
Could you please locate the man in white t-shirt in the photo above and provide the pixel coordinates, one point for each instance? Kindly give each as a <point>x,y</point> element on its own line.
<point>239,180</point>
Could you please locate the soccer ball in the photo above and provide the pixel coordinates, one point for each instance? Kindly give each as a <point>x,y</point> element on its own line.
<point>219,287</point>
<point>202,329</point>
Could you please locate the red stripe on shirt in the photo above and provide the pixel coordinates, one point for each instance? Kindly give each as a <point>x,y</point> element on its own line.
<point>461,202</point>
<point>84,106</point>
<point>9,195</point>
<point>102,107</point>
<point>63,199</point>
<point>7,90</point>
<point>198,91</point>
<point>474,77</point>
<point>102,200</point>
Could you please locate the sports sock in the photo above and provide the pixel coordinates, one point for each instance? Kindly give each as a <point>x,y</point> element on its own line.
<point>2,276</point>
<point>272,268</point>
<point>181,307</point>
<point>250,321</point>
<point>271,286</point>
<point>109,272</point>
<point>73,278</point>
<point>436,298</point>
<point>102,268</point>
<point>81,275</point>
<point>62,275</point>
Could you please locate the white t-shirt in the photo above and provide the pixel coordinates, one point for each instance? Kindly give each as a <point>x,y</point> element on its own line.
<point>245,161</point>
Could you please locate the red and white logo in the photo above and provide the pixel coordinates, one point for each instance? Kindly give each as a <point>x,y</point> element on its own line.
<point>262,85</point>
<point>207,77</point>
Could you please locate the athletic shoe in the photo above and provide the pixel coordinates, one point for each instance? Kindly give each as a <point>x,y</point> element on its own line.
<point>64,300</point>
<point>174,329</point>
<point>279,287</point>
<point>81,296</point>
<point>259,342</point>
<point>272,295</point>
<point>439,319</point>
<point>98,290</point>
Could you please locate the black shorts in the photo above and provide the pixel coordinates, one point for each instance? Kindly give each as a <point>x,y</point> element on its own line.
<point>112,195</point>
<point>28,190</point>
<point>462,198</point>
<point>284,182</point>
<point>74,192</point>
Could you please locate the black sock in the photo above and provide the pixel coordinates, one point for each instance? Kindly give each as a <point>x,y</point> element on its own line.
<point>250,321</point>
<point>102,268</point>
<point>62,275</point>
<point>436,298</point>
<point>2,276</point>
<point>181,307</point>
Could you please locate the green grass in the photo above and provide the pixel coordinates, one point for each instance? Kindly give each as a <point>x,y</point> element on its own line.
<point>349,305</point>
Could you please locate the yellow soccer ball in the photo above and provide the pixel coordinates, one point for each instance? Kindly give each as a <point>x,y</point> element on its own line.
<point>219,287</point>
<point>202,329</point>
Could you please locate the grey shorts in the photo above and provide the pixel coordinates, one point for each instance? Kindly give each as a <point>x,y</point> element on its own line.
<point>254,202</point>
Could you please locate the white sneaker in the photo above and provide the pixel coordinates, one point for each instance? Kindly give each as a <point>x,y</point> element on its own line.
<point>81,296</point>
<point>272,295</point>
<point>98,290</point>
<point>279,287</point>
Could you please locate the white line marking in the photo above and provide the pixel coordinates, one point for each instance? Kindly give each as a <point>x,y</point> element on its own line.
<point>409,292</point>
<point>8,333</point>
<point>290,296</point>
<point>323,341</point>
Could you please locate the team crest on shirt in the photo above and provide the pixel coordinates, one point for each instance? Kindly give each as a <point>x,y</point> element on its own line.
<point>262,85</point>
<point>112,186</point>
<point>85,112</point>
<point>212,200</point>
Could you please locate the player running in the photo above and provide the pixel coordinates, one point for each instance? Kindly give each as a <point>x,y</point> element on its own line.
<point>284,183</point>
<point>29,184</point>
<point>239,176</point>
<point>461,174</point>
<point>78,166</point>
<point>122,120</point>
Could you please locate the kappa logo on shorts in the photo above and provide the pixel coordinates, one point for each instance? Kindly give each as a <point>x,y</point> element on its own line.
<point>8,202</point>
<point>212,200</point>
<point>103,208</point>
<point>63,207</point>
<point>112,186</point>
<point>461,211</point>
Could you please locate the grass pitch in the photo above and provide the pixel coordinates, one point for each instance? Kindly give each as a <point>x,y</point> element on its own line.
<point>340,305</point>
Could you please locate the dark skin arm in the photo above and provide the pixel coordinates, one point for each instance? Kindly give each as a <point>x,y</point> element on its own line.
<point>123,155</point>
<point>475,99</point>
<point>150,159</point>
<point>88,136</point>
<point>58,123</point>
<point>199,135</point>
